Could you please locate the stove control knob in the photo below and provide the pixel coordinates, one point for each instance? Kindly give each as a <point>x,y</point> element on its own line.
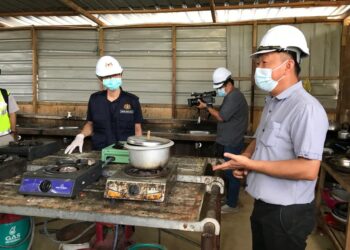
<point>45,186</point>
<point>133,189</point>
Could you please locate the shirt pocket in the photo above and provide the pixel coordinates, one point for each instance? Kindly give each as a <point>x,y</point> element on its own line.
<point>270,134</point>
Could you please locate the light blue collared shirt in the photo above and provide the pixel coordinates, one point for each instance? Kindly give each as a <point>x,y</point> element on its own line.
<point>293,124</point>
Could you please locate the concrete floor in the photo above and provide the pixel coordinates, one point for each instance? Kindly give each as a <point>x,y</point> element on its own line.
<point>235,233</point>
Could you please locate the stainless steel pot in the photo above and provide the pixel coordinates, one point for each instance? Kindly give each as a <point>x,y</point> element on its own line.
<point>343,134</point>
<point>148,152</point>
<point>340,163</point>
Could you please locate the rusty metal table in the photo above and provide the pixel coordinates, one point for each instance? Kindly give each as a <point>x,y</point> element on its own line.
<point>183,209</point>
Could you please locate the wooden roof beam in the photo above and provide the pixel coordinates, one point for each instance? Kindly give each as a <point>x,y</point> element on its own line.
<point>346,18</point>
<point>229,7</point>
<point>83,12</point>
<point>212,10</point>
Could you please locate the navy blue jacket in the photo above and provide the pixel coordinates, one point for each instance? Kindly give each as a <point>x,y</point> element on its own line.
<point>113,121</point>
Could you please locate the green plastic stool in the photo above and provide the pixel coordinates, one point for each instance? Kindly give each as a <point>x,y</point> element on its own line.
<point>138,246</point>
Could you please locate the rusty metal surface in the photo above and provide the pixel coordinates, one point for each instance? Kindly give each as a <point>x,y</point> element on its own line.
<point>183,204</point>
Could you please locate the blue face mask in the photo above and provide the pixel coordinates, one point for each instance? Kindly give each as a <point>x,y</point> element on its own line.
<point>263,78</point>
<point>221,92</point>
<point>112,83</point>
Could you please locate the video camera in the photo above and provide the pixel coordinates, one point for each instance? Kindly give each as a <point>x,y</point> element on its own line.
<point>207,97</point>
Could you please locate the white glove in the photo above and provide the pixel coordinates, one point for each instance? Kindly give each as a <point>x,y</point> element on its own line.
<point>78,142</point>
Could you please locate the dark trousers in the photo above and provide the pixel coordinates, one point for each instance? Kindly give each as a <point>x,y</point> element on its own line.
<point>233,184</point>
<point>276,227</point>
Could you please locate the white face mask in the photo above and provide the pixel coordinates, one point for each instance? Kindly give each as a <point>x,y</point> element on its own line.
<point>263,78</point>
<point>221,91</point>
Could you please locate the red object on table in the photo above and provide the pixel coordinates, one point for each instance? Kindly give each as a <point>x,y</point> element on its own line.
<point>99,232</point>
<point>328,199</point>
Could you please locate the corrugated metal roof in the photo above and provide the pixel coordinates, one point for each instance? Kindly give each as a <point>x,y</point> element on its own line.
<point>15,13</point>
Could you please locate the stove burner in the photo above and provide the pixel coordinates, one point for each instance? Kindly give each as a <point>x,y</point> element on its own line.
<point>5,158</point>
<point>68,169</point>
<point>118,145</point>
<point>31,149</point>
<point>150,173</point>
<point>69,165</point>
<point>61,177</point>
<point>75,162</point>
<point>27,143</point>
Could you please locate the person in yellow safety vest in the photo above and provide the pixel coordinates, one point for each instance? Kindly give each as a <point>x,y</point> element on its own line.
<point>8,109</point>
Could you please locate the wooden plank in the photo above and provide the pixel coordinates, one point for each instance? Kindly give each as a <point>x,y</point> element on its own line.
<point>252,88</point>
<point>173,76</point>
<point>166,10</point>
<point>184,203</point>
<point>337,237</point>
<point>347,233</point>
<point>101,46</point>
<point>343,100</point>
<point>340,240</point>
<point>83,12</point>
<point>184,195</point>
<point>342,178</point>
<point>212,10</point>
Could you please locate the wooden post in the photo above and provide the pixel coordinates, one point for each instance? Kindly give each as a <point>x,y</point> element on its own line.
<point>343,102</point>
<point>252,87</point>
<point>101,41</point>
<point>173,78</point>
<point>35,74</point>
<point>212,10</point>
<point>101,47</point>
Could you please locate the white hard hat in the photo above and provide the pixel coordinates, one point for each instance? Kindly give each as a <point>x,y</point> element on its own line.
<point>220,75</point>
<point>107,66</point>
<point>284,38</point>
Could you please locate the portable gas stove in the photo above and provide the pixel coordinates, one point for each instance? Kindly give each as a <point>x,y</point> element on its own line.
<point>11,165</point>
<point>66,178</point>
<point>31,149</point>
<point>129,183</point>
<point>117,152</point>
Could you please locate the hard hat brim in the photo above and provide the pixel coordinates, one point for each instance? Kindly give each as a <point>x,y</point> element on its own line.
<point>262,52</point>
<point>218,85</point>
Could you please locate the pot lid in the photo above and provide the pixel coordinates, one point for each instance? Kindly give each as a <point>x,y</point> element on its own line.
<point>146,141</point>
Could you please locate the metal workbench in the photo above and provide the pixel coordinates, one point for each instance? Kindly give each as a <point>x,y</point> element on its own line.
<point>184,208</point>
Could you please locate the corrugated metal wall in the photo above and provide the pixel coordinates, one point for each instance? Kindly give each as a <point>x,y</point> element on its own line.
<point>199,51</point>
<point>239,49</point>
<point>67,60</point>
<point>146,57</point>
<point>16,63</point>
<point>324,43</point>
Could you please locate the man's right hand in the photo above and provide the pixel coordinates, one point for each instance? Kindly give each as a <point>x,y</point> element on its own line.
<point>201,105</point>
<point>239,173</point>
<point>77,142</point>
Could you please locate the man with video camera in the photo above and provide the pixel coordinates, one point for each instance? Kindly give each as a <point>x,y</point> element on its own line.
<point>232,124</point>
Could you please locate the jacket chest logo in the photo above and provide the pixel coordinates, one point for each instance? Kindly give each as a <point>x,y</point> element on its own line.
<point>127,109</point>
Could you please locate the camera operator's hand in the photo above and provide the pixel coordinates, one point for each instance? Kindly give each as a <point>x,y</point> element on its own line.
<point>201,105</point>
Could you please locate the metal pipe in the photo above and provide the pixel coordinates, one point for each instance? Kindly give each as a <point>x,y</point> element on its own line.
<point>209,239</point>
